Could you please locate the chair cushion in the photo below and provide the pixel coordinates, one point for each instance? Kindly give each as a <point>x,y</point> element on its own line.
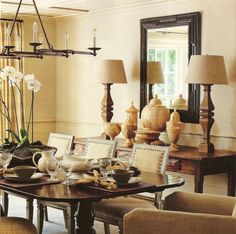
<point>234,211</point>
<point>15,225</point>
<point>113,210</point>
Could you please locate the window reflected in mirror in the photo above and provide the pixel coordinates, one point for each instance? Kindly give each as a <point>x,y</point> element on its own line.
<point>169,47</point>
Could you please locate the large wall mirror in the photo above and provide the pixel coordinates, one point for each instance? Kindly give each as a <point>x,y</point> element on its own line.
<point>169,42</point>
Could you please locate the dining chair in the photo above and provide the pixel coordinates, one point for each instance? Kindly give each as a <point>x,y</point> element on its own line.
<point>95,148</point>
<point>15,225</point>
<point>60,141</point>
<point>99,148</point>
<point>185,212</point>
<point>147,158</point>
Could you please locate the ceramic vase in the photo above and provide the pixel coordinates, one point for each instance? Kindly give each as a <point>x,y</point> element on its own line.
<point>174,130</point>
<point>112,129</point>
<point>132,115</point>
<point>128,131</point>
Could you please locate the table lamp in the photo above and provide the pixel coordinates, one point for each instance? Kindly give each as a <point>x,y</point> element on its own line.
<point>154,76</point>
<point>206,70</point>
<point>109,72</point>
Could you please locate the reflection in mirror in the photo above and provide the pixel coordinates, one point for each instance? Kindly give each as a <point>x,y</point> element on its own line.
<point>169,46</point>
<point>170,40</point>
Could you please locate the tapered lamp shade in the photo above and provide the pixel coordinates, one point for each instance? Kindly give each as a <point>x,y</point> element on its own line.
<point>206,69</point>
<point>110,72</point>
<point>154,73</point>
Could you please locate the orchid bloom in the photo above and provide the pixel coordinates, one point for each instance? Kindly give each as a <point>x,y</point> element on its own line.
<point>29,77</point>
<point>9,71</point>
<point>34,85</point>
<point>16,78</point>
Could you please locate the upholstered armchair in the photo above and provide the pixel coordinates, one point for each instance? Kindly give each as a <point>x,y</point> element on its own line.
<point>189,213</point>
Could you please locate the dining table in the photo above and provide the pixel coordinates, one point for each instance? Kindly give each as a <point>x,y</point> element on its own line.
<point>86,195</point>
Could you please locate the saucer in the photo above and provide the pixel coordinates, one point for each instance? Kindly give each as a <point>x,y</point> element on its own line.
<point>16,178</point>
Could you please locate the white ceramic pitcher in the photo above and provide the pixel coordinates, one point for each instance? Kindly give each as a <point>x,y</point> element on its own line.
<point>45,156</point>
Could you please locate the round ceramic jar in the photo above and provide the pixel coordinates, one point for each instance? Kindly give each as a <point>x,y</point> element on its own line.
<point>155,115</point>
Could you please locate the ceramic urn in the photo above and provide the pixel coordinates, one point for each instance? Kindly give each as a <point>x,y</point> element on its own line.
<point>174,130</point>
<point>180,103</point>
<point>155,115</point>
<point>132,115</point>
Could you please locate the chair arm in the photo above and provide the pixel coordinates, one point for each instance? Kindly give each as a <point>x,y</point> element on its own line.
<point>143,221</point>
<point>200,203</point>
<point>15,225</point>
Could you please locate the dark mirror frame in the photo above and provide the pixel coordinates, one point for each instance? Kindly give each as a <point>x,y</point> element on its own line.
<point>193,21</point>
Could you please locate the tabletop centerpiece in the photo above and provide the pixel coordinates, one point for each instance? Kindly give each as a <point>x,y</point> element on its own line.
<point>18,141</point>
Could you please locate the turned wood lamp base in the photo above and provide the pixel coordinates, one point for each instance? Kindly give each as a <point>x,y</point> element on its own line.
<point>107,108</point>
<point>206,148</point>
<point>206,120</point>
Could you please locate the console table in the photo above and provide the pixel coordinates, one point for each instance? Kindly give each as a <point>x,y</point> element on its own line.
<point>189,161</point>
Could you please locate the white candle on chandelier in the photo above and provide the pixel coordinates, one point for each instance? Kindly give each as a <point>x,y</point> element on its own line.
<point>35,31</point>
<point>41,40</point>
<point>66,40</point>
<point>8,35</point>
<point>94,37</point>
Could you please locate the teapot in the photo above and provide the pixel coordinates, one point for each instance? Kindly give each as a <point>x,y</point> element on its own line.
<point>45,156</point>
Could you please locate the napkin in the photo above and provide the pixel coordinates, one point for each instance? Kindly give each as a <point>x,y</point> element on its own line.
<point>98,180</point>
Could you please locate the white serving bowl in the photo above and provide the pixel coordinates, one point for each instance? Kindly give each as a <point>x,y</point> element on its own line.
<point>79,164</point>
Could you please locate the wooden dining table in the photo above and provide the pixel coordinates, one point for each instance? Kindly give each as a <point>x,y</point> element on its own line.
<point>85,196</point>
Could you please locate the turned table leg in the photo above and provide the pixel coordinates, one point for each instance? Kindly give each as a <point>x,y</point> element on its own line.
<point>198,178</point>
<point>29,209</point>
<point>85,218</point>
<point>5,203</point>
<point>232,178</point>
<point>40,217</point>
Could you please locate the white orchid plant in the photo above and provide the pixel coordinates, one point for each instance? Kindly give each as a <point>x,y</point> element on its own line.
<point>15,79</point>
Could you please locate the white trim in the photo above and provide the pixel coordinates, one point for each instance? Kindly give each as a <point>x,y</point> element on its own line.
<point>121,8</point>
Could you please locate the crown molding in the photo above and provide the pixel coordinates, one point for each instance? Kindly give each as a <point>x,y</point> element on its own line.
<point>127,7</point>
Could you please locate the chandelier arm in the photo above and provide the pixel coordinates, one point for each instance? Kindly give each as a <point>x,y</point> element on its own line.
<point>41,23</point>
<point>14,21</point>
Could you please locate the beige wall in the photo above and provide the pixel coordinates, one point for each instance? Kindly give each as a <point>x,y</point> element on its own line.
<point>78,97</point>
<point>45,72</point>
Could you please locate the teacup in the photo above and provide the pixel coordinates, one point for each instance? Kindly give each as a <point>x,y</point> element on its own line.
<point>121,175</point>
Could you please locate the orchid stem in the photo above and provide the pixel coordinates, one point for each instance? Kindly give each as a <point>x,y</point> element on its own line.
<point>22,107</point>
<point>14,103</point>
<point>6,114</point>
<point>31,116</point>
